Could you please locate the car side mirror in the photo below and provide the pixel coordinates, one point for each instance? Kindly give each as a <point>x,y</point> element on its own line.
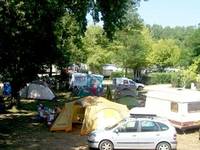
<point>116,131</point>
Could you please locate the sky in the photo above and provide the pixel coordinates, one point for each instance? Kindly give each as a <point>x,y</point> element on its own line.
<point>170,12</point>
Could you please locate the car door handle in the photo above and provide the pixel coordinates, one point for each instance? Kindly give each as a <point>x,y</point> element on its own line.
<point>134,135</point>
<point>157,134</point>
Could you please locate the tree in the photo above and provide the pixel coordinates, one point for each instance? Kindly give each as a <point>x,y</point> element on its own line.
<point>31,37</point>
<point>193,42</point>
<point>68,42</point>
<point>165,53</point>
<point>132,44</point>
<point>27,40</point>
<point>95,46</point>
<point>112,12</point>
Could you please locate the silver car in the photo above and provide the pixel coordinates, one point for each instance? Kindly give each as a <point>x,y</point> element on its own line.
<point>135,133</point>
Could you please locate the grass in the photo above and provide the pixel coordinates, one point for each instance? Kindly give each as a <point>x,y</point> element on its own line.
<point>19,127</point>
<point>130,102</point>
<point>19,130</point>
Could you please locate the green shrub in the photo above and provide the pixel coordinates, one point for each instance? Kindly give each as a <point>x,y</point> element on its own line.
<point>198,82</point>
<point>159,78</point>
<point>177,79</point>
<point>189,77</point>
<point>117,74</point>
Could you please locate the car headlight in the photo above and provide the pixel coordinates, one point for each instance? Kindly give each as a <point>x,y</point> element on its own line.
<point>91,137</point>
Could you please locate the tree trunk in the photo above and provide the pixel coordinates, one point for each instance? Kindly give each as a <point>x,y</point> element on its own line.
<point>50,70</point>
<point>16,86</point>
<point>126,71</point>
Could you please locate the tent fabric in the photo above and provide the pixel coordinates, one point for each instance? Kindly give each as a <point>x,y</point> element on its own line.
<point>37,90</point>
<point>64,121</point>
<point>78,113</point>
<point>101,113</point>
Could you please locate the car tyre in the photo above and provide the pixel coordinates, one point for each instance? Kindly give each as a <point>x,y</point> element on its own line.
<point>140,88</point>
<point>163,146</point>
<point>106,145</point>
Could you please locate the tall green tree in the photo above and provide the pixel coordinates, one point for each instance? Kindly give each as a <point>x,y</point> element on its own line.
<point>95,46</point>
<point>31,37</point>
<point>132,45</point>
<point>164,53</point>
<point>193,42</point>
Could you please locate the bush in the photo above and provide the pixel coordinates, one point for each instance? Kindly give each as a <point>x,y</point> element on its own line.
<point>177,79</point>
<point>189,77</point>
<point>184,78</point>
<point>198,82</point>
<point>159,78</point>
<point>117,74</point>
<point>121,74</point>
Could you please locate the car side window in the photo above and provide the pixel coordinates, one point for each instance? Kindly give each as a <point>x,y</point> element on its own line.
<point>131,82</point>
<point>130,126</point>
<point>148,126</point>
<point>163,127</point>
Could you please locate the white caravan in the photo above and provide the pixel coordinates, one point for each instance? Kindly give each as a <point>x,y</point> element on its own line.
<point>180,107</point>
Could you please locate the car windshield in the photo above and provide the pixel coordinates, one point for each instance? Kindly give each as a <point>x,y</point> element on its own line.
<point>113,126</point>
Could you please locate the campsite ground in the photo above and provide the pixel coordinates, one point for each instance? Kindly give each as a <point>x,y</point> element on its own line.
<point>19,130</point>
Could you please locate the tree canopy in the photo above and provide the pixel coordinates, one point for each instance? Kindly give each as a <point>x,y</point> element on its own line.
<point>36,34</point>
<point>165,53</point>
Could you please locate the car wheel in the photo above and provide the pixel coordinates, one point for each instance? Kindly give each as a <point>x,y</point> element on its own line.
<point>140,88</point>
<point>163,146</point>
<point>106,145</point>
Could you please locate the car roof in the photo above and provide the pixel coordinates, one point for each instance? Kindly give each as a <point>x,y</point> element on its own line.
<point>149,117</point>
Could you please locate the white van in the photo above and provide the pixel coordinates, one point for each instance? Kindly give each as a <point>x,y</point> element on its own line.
<point>180,107</point>
<point>126,81</point>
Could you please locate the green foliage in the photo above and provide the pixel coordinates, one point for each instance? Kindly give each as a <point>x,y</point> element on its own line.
<point>117,74</point>
<point>159,78</point>
<point>95,46</point>
<point>165,53</point>
<point>113,13</point>
<point>132,44</point>
<point>27,39</point>
<point>189,77</point>
<point>184,78</point>
<point>66,31</point>
<point>198,82</point>
<point>177,79</point>
<point>194,42</point>
<point>178,33</point>
<point>191,73</point>
<point>36,34</point>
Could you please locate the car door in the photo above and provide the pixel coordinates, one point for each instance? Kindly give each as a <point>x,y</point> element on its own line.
<point>149,135</point>
<point>126,135</point>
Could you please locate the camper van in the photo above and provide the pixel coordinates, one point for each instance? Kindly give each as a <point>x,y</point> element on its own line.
<point>180,107</point>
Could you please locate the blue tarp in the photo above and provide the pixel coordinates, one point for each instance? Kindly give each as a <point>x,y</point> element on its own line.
<point>87,84</point>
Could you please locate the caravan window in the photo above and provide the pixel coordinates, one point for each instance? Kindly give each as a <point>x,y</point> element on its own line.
<point>193,107</point>
<point>174,107</point>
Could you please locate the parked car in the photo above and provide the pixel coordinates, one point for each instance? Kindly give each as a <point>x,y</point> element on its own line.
<point>135,133</point>
<point>129,82</point>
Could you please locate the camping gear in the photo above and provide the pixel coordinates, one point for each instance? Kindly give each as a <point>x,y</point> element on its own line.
<point>93,112</point>
<point>83,84</point>
<point>64,120</point>
<point>37,90</point>
<point>101,113</point>
<point>7,89</point>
